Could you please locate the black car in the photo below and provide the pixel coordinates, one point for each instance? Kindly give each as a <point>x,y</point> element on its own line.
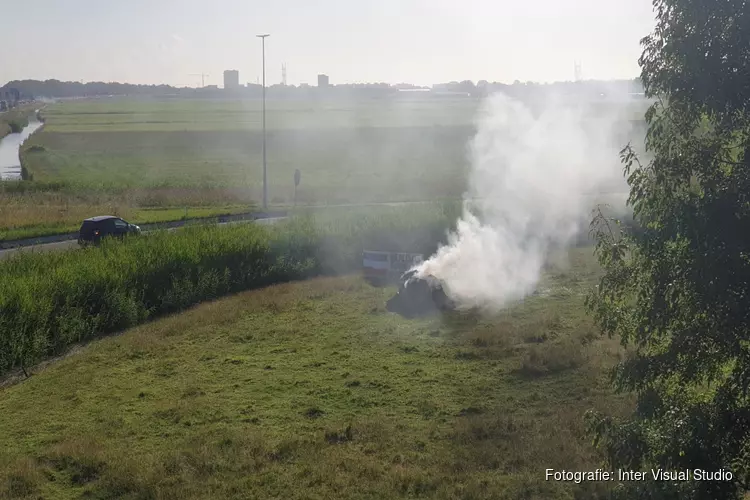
<point>419,295</point>
<point>95,228</point>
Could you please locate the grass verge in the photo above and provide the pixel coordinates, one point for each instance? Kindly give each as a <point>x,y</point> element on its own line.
<point>31,209</point>
<point>70,219</point>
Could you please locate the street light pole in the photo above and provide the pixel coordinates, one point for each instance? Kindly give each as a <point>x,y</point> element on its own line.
<point>265,174</point>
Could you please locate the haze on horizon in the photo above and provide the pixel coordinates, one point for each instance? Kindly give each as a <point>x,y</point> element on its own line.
<point>415,41</point>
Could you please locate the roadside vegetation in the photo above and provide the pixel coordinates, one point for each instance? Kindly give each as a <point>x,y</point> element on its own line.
<point>312,390</point>
<point>52,300</point>
<point>31,209</point>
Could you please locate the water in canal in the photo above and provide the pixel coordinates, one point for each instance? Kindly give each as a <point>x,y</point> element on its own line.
<point>10,145</point>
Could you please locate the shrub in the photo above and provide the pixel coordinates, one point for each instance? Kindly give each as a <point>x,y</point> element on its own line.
<point>15,126</point>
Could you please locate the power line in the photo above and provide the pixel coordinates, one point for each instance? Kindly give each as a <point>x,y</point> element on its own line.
<point>577,71</point>
<point>265,178</point>
<point>203,77</point>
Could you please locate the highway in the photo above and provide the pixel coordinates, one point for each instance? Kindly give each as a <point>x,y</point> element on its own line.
<point>73,244</point>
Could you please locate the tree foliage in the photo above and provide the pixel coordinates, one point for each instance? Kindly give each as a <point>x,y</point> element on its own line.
<point>676,292</point>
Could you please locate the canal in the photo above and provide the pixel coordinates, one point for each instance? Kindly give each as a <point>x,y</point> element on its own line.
<point>10,146</point>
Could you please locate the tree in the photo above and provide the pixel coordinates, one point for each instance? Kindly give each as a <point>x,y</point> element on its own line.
<point>677,292</point>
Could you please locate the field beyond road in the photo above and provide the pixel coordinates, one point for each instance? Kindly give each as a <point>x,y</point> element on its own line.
<point>346,151</point>
<point>312,390</point>
<point>149,159</point>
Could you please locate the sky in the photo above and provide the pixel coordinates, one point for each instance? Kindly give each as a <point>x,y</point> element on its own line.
<point>414,41</point>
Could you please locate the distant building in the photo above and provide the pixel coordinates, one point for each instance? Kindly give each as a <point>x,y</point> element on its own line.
<point>323,81</point>
<point>231,79</point>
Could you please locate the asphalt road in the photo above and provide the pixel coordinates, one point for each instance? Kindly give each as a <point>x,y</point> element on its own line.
<point>68,241</point>
<point>73,244</point>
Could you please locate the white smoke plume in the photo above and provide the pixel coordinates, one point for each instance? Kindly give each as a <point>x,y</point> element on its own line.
<point>533,177</point>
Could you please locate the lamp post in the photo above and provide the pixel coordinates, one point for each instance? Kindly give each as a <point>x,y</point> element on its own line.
<point>265,174</point>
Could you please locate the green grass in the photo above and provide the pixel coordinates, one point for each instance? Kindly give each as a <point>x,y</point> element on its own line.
<point>376,150</point>
<point>52,300</point>
<point>312,390</point>
<point>101,153</point>
<point>164,115</point>
<point>29,209</point>
<point>337,165</point>
<point>71,222</point>
<point>347,151</point>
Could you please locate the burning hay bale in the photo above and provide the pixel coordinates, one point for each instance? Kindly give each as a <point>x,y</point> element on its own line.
<point>419,296</point>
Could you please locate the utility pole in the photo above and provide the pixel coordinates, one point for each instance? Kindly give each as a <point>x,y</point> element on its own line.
<point>203,78</point>
<point>265,172</point>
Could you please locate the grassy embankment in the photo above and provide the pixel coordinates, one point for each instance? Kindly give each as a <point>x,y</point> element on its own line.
<point>312,390</point>
<point>167,154</point>
<point>52,300</point>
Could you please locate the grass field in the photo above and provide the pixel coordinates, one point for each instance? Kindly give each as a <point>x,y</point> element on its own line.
<point>169,154</point>
<point>137,153</point>
<point>337,165</point>
<point>378,151</point>
<point>312,390</point>
<point>178,115</point>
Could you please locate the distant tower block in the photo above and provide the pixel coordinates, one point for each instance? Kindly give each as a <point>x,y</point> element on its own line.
<point>283,74</point>
<point>231,79</point>
<point>577,71</point>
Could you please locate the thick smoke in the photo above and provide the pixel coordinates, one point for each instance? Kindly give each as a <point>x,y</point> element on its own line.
<point>534,174</point>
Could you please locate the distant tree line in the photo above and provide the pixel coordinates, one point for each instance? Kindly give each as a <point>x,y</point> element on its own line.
<point>32,89</point>
<point>55,88</point>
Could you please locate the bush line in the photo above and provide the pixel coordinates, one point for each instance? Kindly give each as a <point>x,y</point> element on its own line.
<point>50,301</point>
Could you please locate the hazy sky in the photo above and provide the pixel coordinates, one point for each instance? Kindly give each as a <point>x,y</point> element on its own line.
<point>415,41</point>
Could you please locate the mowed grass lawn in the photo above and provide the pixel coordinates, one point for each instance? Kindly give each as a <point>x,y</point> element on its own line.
<point>312,390</point>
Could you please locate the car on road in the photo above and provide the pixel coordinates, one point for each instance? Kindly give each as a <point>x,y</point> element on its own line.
<point>94,229</point>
